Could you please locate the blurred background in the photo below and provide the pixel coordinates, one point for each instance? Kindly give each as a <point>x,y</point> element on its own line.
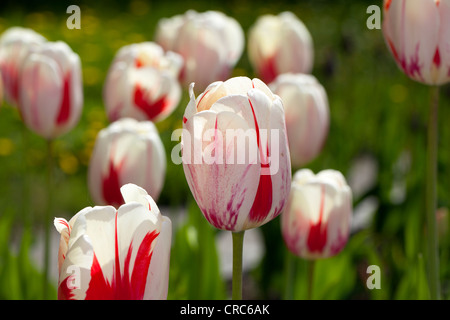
<point>377,140</point>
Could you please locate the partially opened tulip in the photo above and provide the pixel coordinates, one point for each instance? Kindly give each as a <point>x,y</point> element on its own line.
<point>51,90</point>
<point>210,42</point>
<point>307,115</point>
<point>142,83</point>
<point>417,33</point>
<point>15,45</point>
<point>236,157</point>
<point>127,151</point>
<point>317,218</point>
<point>115,254</point>
<point>280,44</point>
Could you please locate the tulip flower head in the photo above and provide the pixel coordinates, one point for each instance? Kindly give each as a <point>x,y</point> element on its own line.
<point>15,45</point>
<point>51,89</point>
<point>307,115</point>
<point>109,254</point>
<point>127,151</point>
<point>417,32</point>
<point>142,83</point>
<point>280,44</point>
<point>235,153</point>
<point>210,42</point>
<point>316,221</point>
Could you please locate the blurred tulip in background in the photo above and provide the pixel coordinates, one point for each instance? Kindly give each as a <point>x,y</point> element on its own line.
<point>142,83</point>
<point>127,151</point>
<point>307,114</point>
<point>280,44</point>
<point>317,218</point>
<point>210,42</point>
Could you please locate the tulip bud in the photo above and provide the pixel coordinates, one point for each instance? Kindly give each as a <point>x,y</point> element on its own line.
<point>417,32</point>
<point>51,90</point>
<point>317,218</point>
<point>109,254</point>
<point>127,151</point>
<point>211,43</point>
<point>280,44</point>
<point>235,153</point>
<point>307,115</point>
<point>142,83</point>
<point>15,45</point>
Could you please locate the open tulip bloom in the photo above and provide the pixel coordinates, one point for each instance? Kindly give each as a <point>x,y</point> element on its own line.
<point>115,254</point>
<point>316,221</point>
<point>142,83</point>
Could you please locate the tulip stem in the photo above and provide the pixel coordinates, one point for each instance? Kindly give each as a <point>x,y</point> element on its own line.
<point>291,266</point>
<point>47,215</point>
<point>311,266</point>
<point>238,244</point>
<point>431,195</point>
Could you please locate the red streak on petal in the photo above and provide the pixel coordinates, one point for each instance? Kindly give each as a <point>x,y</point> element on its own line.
<point>122,286</point>
<point>151,108</point>
<point>437,58</point>
<point>64,293</point>
<point>268,69</point>
<point>111,185</point>
<point>64,109</point>
<point>263,199</point>
<point>387,4</point>
<point>317,237</point>
<point>394,51</point>
<point>184,119</point>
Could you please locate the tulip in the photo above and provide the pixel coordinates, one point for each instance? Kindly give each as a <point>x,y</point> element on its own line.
<point>211,43</point>
<point>236,158</point>
<point>280,44</point>
<point>51,90</point>
<point>112,254</point>
<point>127,151</point>
<point>142,83</point>
<point>15,45</point>
<point>307,115</point>
<point>417,32</point>
<point>316,221</point>
<point>236,195</point>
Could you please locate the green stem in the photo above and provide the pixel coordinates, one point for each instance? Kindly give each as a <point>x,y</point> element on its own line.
<point>47,215</point>
<point>431,195</point>
<point>238,244</point>
<point>311,266</point>
<point>291,266</point>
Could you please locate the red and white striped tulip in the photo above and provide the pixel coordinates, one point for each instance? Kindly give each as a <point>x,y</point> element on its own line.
<point>316,221</point>
<point>15,45</point>
<point>307,115</point>
<point>109,254</point>
<point>417,32</point>
<point>210,42</point>
<point>51,90</point>
<point>280,44</point>
<point>142,83</point>
<point>127,151</point>
<point>235,153</point>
